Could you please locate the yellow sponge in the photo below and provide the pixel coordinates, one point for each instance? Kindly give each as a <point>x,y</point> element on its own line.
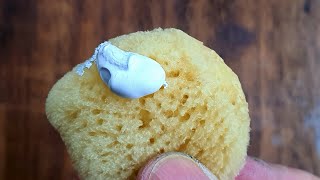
<point>203,112</point>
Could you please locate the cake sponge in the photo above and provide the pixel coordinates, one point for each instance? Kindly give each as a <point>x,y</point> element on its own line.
<point>202,112</point>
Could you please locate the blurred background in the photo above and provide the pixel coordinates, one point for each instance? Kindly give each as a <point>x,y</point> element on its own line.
<point>272,45</point>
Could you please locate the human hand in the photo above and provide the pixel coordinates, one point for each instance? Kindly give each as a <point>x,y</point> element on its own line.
<point>178,166</point>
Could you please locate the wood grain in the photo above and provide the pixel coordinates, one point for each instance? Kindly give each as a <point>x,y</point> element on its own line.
<point>273,46</point>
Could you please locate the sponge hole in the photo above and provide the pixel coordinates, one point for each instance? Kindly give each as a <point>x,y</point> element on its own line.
<point>92,133</point>
<point>151,140</point>
<point>99,121</point>
<point>176,113</point>
<point>185,117</point>
<point>103,98</point>
<point>129,146</point>
<point>73,114</point>
<point>149,96</point>
<point>119,127</point>
<point>106,154</point>
<point>113,144</point>
<point>146,117</point>
<point>96,111</point>
<point>184,145</point>
<point>200,153</point>
<point>159,105</point>
<point>142,101</point>
<point>174,74</point>
<point>168,114</point>
<point>184,99</point>
<point>162,127</point>
<point>204,108</point>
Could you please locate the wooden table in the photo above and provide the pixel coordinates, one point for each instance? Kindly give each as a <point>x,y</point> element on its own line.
<point>273,45</point>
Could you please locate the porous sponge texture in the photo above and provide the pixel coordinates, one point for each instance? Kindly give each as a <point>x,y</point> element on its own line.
<point>203,112</point>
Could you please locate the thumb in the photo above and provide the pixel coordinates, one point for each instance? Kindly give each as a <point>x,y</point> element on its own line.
<point>175,166</point>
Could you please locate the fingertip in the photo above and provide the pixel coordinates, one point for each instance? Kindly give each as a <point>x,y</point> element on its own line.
<point>175,166</point>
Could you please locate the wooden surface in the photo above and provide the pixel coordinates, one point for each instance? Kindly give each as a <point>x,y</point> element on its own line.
<point>273,46</point>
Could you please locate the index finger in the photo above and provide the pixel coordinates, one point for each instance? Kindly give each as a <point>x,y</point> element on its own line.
<point>255,169</point>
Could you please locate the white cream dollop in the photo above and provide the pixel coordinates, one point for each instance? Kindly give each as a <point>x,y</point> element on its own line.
<point>127,74</point>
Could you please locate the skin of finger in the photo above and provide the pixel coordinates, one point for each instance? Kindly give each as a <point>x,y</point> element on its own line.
<point>257,169</point>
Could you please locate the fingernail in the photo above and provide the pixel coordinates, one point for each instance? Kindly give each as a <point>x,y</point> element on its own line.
<point>175,166</point>
<point>260,161</point>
